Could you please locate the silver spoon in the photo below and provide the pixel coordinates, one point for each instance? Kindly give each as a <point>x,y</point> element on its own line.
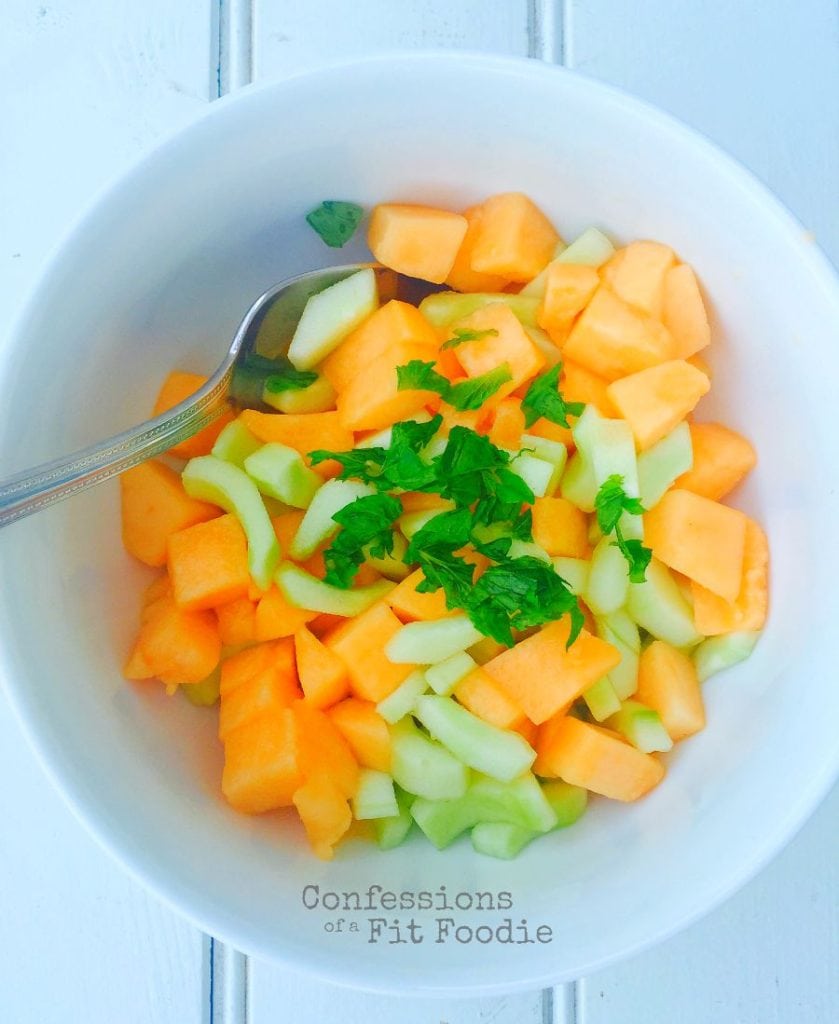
<point>264,334</point>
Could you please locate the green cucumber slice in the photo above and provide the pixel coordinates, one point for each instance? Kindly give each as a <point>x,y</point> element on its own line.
<point>528,549</point>
<point>445,675</point>
<point>602,700</point>
<point>319,396</point>
<point>660,607</point>
<point>330,315</point>
<point>442,821</point>
<point>578,484</point>
<point>621,625</point>
<point>542,340</point>
<point>496,752</point>
<point>520,802</point>
<point>642,726</point>
<point>624,676</point>
<point>500,839</point>
<point>281,473</point>
<point>567,802</point>
<point>662,464</point>
<point>721,652</point>
<point>609,447</point>
<point>536,288</point>
<point>574,571</point>
<point>591,249</point>
<point>403,699</point>
<point>443,308</point>
<point>303,590</point>
<point>608,579</point>
<point>211,479</point>
<point>393,831</point>
<point>426,643</point>
<point>317,525</point>
<point>536,473</point>
<point>374,796</point>
<point>235,443</point>
<point>390,565</point>
<point>424,767</point>
<point>553,452</point>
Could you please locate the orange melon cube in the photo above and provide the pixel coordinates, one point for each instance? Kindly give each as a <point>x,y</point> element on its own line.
<point>510,344</point>
<point>721,458</point>
<point>569,287</point>
<point>267,692</point>
<point>175,389</point>
<point>392,324</point>
<point>305,432</point>
<point>553,432</point>
<point>325,814</point>
<point>462,277</point>
<point>412,605</point>
<point>240,667</point>
<point>418,241</point>
<point>713,614</point>
<point>684,313</point>
<point>177,645</point>
<point>596,759</point>
<point>542,677</point>
<point>699,538</point>
<point>655,400</point>
<point>154,506</point>
<point>323,675</point>
<point>419,501</point>
<point>482,696</point>
<point>262,763</point>
<point>360,644</point>
<point>638,276</point>
<point>473,419</point>
<point>507,424</point>
<point>275,617</point>
<point>612,339</point>
<point>667,683</point>
<point>365,731</point>
<point>514,238</point>
<point>560,528</point>
<point>208,563</point>
<point>237,621</point>
<point>324,749</point>
<point>578,384</point>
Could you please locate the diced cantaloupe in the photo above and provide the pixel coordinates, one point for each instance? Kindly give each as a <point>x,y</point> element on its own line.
<point>479,693</point>
<point>507,424</point>
<point>176,388</point>
<point>360,643</point>
<point>578,384</point>
<point>237,621</point>
<point>510,344</point>
<point>392,324</point>
<point>286,525</point>
<point>208,563</point>
<point>420,501</point>
<point>324,749</point>
<point>655,400</point>
<point>323,674</point>
<point>713,614</point>
<point>263,763</point>
<point>684,313</point>
<point>595,758</point>
<point>473,419</point>
<point>365,731</point>
<point>699,538</point>
<point>721,458</point>
<point>275,617</point>
<point>240,667</point>
<point>267,692</point>
<point>419,241</point>
<point>612,339</point>
<point>305,432</point>
<point>552,432</point>
<point>541,676</point>
<point>412,605</point>
<point>638,276</point>
<point>569,286</point>
<point>514,238</point>
<point>154,506</point>
<point>179,646</point>
<point>462,277</point>
<point>560,528</point>
<point>667,683</point>
<point>325,813</point>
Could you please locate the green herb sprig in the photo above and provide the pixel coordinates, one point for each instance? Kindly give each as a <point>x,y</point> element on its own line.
<point>610,504</point>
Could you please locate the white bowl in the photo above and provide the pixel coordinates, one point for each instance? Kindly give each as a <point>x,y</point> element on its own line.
<point>158,274</point>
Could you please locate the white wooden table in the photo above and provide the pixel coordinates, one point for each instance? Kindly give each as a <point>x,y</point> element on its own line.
<point>87,86</point>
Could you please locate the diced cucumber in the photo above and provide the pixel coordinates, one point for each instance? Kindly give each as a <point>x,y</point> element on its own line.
<point>427,643</point>
<point>528,549</point>
<point>435,448</point>
<point>306,591</point>
<point>554,452</point>
<point>390,565</point>
<point>663,463</point>
<point>621,625</point>
<point>317,524</point>
<point>521,802</point>
<point>624,676</point>
<point>601,699</point>
<point>442,821</point>
<point>392,832</point>
<point>411,522</point>
<point>443,308</point>
<point>659,606</point>
<point>609,447</point>
<point>445,675</point>
<point>281,473</point>
<point>402,700</point>
<point>205,693</point>
<point>229,487</point>
<point>537,287</point>
<point>608,579</point>
<point>424,767</point>
<point>543,342</point>
<point>642,726</point>
<point>500,839</point>
<point>317,397</point>
<point>720,652</point>
<point>567,802</point>
<point>235,443</point>
<point>496,752</point>
<point>591,249</point>
<point>578,484</point>
<point>574,571</point>
<point>536,473</point>
<point>374,796</point>
<point>330,315</point>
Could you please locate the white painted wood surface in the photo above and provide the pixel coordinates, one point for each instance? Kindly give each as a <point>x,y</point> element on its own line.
<point>88,85</point>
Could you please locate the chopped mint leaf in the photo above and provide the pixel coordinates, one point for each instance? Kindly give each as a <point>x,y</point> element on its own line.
<point>365,521</point>
<point>465,395</point>
<point>610,504</point>
<point>544,399</point>
<point>290,379</point>
<point>335,221</point>
<point>463,334</point>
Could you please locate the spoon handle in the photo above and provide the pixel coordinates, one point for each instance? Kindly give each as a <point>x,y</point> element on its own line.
<point>36,488</point>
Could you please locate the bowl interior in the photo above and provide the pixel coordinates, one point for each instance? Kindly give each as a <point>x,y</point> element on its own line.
<point>158,276</point>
